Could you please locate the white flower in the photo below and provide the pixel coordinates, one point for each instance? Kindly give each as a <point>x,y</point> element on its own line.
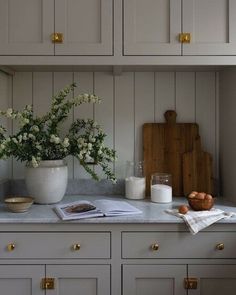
<point>25,136</point>
<point>34,162</point>
<point>80,141</point>
<point>90,146</point>
<point>2,147</point>
<point>14,140</point>
<point>35,128</point>
<point>66,142</point>
<point>55,139</point>
<point>38,147</point>
<point>99,152</point>
<point>31,136</point>
<point>20,138</point>
<point>9,113</point>
<point>24,121</point>
<point>29,107</point>
<point>1,129</point>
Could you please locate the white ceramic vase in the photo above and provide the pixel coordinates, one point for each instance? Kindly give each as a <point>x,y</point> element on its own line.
<point>47,183</point>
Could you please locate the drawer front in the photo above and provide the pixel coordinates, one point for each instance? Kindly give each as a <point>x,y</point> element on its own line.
<point>178,245</point>
<point>55,245</point>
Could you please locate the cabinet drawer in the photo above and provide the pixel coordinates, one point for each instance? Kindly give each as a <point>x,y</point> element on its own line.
<point>178,245</point>
<point>55,245</point>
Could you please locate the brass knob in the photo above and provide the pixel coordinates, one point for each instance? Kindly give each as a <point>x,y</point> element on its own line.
<point>76,247</point>
<point>11,247</point>
<point>154,247</point>
<point>185,37</point>
<point>220,246</point>
<point>57,38</point>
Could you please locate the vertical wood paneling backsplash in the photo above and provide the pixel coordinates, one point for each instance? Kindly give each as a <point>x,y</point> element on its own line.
<point>128,101</point>
<point>5,97</point>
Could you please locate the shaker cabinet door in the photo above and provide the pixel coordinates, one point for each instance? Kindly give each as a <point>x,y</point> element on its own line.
<point>26,27</point>
<point>86,25</point>
<point>212,25</point>
<point>213,279</point>
<point>80,279</point>
<point>154,279</point>
<point>21,279</point>
<point>152,27</point>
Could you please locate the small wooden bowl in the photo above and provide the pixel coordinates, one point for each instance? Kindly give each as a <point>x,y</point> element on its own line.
<point>18,204</point>
<point>199,205</point>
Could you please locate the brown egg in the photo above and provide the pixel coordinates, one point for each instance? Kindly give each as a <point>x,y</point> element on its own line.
<point>183,209</point>
<point>192,195</point>
<point>208,197</point>
<point>200,196</point>
<point>194,192</point>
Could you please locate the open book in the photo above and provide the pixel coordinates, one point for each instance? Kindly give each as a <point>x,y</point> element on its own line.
<point>98,208</point>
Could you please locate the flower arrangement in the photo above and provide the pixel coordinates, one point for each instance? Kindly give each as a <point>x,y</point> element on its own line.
<point>39,137</point>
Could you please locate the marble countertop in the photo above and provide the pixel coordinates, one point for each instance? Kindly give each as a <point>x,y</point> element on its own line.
<point>152,213</point>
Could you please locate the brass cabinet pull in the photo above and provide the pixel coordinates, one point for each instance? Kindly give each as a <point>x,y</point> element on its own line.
<point>190,283</point>
<point>76,247</point>
<point>185,37</point>
<point>155,247</point>
<point>48,284</point>
<point>220,246</point>
<point>57,38</point>
<point>11,247</point>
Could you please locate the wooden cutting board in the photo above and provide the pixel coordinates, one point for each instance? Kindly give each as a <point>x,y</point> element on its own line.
<point>163,147</point>
<point>197,170</point>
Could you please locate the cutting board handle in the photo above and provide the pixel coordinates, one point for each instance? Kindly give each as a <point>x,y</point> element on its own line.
<point>170,116</point>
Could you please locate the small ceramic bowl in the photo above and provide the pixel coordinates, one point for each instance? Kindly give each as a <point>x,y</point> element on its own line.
<point>18,204</point>
<point>199,205</point>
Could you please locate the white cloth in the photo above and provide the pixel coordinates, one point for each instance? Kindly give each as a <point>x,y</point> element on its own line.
<point>198,220</point>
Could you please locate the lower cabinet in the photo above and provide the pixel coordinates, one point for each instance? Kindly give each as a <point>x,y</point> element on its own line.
<point>179,279</point>
<point>21,279</point>
<point>153,279</point>
<point>79,279</point>
<point>54,279</point>
<point>213,279</point>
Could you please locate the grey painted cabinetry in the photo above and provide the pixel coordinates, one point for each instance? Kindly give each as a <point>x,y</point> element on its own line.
<point>188,260</point>
<point>153,27</point>
<point>34,257</point>
<point>115,259</point>
<point>26,27</point>
<point>21,279</point>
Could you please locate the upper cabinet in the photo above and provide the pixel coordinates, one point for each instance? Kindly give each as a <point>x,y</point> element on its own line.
<point>26,26</point>
<point>212,25</point>
<point>151,27</point>
<point>117,32</point>
<point>82,27</point>
<point>86,26</point>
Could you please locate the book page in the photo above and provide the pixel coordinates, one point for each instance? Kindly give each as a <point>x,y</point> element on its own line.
<point>113,208</point>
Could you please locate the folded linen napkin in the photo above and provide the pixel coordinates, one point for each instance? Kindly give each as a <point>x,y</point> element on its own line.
<point>198,220</point>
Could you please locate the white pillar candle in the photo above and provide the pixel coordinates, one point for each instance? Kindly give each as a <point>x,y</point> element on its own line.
<point>161,193</point>
<point>135,188</point>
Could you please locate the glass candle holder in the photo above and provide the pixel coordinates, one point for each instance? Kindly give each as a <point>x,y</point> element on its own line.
<point>161,188</point>
<point>135,182</point>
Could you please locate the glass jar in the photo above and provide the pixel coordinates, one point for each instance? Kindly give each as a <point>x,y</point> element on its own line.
<point>135,182</point>
<point>161,188</point>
